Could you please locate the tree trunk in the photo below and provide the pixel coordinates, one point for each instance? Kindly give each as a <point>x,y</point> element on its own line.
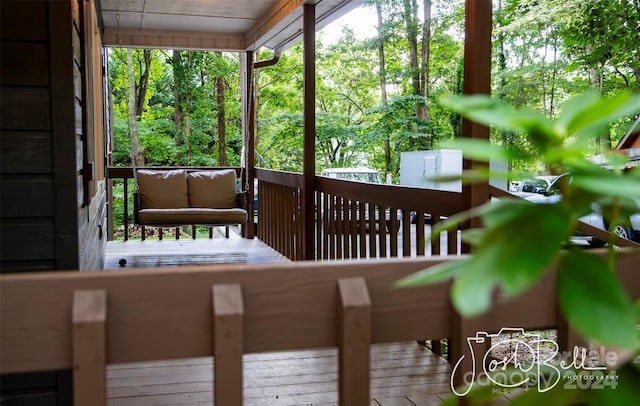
<point>137,159</point>
<point>176,63</point>
<point>383,85</point>
<point>222,127</point>
<point>417,70</point>
<point>187,112</point>
<point>423,111</point>
<point>410,10</point>
<point>604,140</point>
<point>144,82</point>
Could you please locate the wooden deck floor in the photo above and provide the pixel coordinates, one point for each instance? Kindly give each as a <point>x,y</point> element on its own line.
<point>401,374</point>
<point>171,252</point>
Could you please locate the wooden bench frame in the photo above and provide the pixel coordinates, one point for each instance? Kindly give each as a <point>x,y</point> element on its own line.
<point>240,200</point>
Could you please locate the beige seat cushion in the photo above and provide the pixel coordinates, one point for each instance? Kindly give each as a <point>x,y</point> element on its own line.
<point>213,189</point>
<point>162,189</point>
<point>192,216</point>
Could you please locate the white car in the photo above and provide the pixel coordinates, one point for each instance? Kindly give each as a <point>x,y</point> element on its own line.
<point>535,191</point>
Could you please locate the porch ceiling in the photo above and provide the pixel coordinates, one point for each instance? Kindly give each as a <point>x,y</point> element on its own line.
<point>226,25</point>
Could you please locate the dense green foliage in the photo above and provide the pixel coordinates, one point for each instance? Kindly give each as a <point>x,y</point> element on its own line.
<point>590,296</point>
<point>544,52</point>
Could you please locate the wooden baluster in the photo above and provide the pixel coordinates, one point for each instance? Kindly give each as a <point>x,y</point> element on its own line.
<point>420,241</point>
<point>435,240</point>
<point>382,231</point>
<point>228,343</point>
<point>356,217</point>
<point>394,231</point>
<point>363,231</point>
<point>339,216</point>
<point>325,211</point>
<point>406,233</point>
<point>373,213</point>
<point>452,242</point>
<point>354,341</point>
<point>126,208</point>
<point>89,342</point>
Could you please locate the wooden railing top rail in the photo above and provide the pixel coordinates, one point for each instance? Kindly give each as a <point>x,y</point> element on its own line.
<point>437,201</point>
<point>290,179</point>
<point>166,313</point>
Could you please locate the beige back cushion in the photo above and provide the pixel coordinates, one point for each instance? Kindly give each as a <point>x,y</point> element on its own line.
<point>213,189</point>
<point>162,189</point>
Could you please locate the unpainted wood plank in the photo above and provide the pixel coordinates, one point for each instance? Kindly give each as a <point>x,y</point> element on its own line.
<point>427,399</point>
<point>228,343</point>
<point>354,341</point>
<point>89,347</point>
<point>394,401</point>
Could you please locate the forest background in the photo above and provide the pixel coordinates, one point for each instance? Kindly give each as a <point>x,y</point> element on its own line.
<point>375,97</point>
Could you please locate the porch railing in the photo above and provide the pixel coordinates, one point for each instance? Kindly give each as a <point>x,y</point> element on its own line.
<point>85,321</point>
<point>124,176</point>
<point>354,219</point>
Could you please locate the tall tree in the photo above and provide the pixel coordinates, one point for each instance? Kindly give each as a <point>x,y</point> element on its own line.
<point>221,87</point>
<point>383,82</point>
<point>143,85</point>
<point>419,69</point>
<point>137,158</point>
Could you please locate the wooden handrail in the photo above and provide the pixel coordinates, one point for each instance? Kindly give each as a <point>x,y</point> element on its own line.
<point>167,313</point>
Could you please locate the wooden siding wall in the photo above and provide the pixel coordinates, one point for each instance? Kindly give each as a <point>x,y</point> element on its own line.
<point>47,222</point>
<point>31,154</point>
<point>88,85</point>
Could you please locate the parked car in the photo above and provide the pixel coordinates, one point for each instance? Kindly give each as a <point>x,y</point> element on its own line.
<point>535,191</point>
<point>356,174</point>
<point>366,175</point>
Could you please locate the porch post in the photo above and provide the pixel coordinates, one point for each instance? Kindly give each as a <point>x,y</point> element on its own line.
<point>477,80</point>
<point>249,136</point>
<point>309,162</point>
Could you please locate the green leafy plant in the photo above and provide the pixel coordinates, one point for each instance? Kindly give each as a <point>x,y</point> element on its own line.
<point>520,240</point>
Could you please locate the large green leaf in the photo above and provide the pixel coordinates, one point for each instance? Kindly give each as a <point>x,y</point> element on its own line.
<point>609,185</point>
<point>435,274</point>
<point>624,391</point>
<point>483,150</point>
<point>593,301</point>
<point>485,110</point>
<point>587,113</point>
<point>524,239</point>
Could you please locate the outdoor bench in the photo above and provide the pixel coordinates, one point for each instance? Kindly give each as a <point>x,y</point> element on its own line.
<point>167,198</point>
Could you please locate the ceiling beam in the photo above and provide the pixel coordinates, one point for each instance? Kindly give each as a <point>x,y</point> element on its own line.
<point>158,39</point>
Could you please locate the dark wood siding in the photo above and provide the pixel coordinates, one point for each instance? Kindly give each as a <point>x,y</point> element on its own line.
<point>53,212</point>
<point>46,224</point>
<point>26,145</point>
